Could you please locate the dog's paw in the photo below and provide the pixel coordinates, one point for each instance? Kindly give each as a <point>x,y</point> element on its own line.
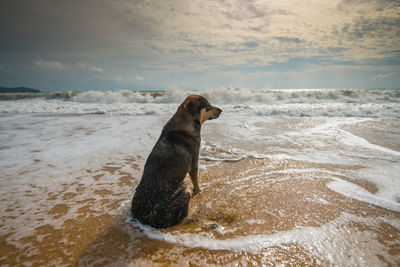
<point>196,192</point>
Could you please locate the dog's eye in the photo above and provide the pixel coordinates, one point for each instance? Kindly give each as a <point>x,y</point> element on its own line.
<point>208,108</point>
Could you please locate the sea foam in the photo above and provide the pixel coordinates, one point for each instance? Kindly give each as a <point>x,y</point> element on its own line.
<point>305,102</point>
<point>333,241</point>
<point>245,96</point>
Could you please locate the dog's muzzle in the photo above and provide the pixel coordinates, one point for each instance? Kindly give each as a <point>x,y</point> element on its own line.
<point>216,113</point>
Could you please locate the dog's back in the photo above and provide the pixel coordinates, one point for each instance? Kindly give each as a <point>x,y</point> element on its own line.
<point>161,198</point>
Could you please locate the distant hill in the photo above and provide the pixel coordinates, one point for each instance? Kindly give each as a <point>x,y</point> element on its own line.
<point>18,90</point>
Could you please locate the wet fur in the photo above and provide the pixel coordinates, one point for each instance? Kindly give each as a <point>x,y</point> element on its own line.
<point>161,199</point>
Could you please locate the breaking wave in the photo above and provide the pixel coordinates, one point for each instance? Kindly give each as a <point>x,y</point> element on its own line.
<point>245,96</point>
<point>286,102</point>
<point>224,96</point>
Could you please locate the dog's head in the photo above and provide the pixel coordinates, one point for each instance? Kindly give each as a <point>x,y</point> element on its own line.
<point>199,107</point>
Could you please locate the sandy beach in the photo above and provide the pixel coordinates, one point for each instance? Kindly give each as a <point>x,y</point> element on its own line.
<point>275,190</point>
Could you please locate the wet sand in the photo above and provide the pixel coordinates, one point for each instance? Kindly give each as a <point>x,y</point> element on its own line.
<point>252,210</point>
<point>269,203</point>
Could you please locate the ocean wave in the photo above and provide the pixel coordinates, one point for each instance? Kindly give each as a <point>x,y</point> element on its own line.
<point>245,96</point>
<point>223,96</point>
<point>249,102</point>
<point>51,95</point>
<point>370,110</point>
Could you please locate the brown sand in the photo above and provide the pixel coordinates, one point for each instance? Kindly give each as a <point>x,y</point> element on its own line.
<point>93,229</point>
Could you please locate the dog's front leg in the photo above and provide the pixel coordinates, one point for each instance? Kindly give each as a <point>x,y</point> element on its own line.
<point>193,177</point>
<point>193,174</point>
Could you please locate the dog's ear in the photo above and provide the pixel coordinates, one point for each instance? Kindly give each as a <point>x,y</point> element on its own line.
<point>192,106</point>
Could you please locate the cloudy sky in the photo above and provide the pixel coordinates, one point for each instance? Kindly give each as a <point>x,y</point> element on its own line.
<point>157,44</point>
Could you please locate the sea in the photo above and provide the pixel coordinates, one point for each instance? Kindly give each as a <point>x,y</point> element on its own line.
<point>288,177</point>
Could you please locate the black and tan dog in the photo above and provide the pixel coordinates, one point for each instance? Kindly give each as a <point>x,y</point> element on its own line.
<point>161,199</point>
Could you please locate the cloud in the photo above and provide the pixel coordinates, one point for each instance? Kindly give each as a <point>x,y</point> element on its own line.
<point>351,67</point>
<point>96,69</point>
<point>158,38</point>
<point>210,33</point>
<point>383,76</point>
<point>377,5</point>
<point>337,50</point>
<point>251,44</point>
<point>49,64</point>
<point>139,78</point>
<point>288,39</point>
<point>380,27</point>
<point>89,67</point>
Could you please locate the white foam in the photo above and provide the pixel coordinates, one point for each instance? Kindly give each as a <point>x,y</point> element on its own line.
<point>335,241</point>
<point>253,221</point>
<point>109,97</point>
<point>288,175</point>
<point>246,96</point>
<point>68,143</point>
<point>316,102</point>
<point>55,106</point>
<point>357,141</point>
<point>354,191</point>
<point>249,156</point>
<point>325,142</point>
<point>384,200</point>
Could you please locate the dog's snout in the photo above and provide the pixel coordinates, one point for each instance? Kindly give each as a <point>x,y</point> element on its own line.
<point>217,112</point>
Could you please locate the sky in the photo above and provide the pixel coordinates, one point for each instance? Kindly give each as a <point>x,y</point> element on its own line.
<point>79,45</point>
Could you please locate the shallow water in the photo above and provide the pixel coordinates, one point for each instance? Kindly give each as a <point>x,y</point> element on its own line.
<point>277,190</point>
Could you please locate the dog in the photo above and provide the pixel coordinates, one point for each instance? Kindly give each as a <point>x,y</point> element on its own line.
<point>161,199</point>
